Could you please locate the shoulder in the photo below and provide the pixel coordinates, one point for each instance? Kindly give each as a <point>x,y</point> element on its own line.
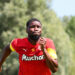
<point>49,42</point>
<point>18,41</point>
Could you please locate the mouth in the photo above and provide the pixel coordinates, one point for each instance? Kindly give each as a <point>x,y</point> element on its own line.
<point>35,33</point>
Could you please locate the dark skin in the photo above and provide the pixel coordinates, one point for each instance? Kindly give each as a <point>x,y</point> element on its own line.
<point>35,28</point>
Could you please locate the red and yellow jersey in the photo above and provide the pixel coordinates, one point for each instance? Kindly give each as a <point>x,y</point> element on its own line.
<point>31,57</point>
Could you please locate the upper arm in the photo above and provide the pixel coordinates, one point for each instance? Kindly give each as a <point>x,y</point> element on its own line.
<point>14,45</point>
<point>51,49</point>
<point>7,49</point>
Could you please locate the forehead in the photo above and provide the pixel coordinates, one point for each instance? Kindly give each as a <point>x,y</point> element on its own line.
<point>35,23</point>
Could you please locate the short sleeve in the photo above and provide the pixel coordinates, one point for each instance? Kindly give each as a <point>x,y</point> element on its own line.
<point>51,49</point>
<point>14,45</point>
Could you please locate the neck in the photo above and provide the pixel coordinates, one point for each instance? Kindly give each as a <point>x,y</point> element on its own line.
<point>32,41</point>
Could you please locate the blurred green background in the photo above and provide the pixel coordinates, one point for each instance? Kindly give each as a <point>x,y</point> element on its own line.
<point>13,17</point>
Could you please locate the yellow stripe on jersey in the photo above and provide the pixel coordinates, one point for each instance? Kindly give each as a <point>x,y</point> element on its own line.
<point>12,49</point>
<point>52,53</point>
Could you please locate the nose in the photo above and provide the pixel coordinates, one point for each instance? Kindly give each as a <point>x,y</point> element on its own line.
<point>36,28</point>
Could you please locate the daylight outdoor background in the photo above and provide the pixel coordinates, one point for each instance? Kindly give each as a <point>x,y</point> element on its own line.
<point>61,28</point>
<point>63,7</point>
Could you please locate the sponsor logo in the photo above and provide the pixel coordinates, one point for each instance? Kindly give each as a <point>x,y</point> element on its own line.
<point>28,58</point>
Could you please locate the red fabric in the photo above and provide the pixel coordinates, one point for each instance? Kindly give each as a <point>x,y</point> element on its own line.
<point>31,57</point>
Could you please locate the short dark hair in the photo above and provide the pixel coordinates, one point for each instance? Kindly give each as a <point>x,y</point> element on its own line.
<point>31,20</point>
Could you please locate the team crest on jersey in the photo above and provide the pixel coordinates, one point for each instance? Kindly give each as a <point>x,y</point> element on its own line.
<point>28,58</point>
<point>24,50</point>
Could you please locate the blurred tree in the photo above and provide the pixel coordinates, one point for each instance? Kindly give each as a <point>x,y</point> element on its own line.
<point>65,21</point>
<point>12,25</point>
<point>70,29</point>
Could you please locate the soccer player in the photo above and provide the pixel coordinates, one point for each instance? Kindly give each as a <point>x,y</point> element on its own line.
<point>37,54</point>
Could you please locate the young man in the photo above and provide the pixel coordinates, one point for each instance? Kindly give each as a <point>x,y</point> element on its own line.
<point>37,55</point>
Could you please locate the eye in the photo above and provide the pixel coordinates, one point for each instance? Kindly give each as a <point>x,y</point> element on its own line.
<point>32,26</point>
<point>38,26</point>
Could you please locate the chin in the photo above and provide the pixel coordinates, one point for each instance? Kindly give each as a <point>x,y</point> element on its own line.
<point>35,37</point>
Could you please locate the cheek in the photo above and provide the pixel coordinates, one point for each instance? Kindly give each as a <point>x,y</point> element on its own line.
<point>40,30</point>
<point>31,29</point>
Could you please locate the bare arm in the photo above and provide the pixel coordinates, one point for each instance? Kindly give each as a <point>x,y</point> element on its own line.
<point>52,63</point>
<point>6,53</point>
